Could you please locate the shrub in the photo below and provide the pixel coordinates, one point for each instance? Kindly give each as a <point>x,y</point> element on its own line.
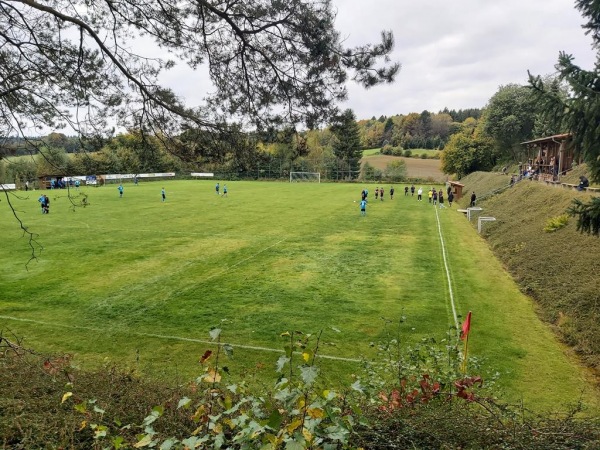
<point>387,150</point>
<point>407,153</point>
<point>409,396</point>
<point>556,223</point>
<point>424,156</point>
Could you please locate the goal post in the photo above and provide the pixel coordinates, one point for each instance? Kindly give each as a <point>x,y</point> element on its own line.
<point>314,177</point>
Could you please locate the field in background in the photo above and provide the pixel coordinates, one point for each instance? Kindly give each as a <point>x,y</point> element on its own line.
<point>426,169</point>
<point>140,282</point>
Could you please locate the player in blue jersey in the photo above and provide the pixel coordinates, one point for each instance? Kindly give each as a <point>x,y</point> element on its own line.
<point>363,207</point>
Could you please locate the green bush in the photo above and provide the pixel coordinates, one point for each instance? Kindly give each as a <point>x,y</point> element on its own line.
<point>407,153</point>
<point>424,156</point>
<point>387,150</point>
<point>556,223</point>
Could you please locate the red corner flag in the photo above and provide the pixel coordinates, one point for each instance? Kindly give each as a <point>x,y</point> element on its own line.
<point>466,327</point>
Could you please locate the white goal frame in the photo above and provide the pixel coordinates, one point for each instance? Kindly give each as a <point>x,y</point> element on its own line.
<point>305,176</point>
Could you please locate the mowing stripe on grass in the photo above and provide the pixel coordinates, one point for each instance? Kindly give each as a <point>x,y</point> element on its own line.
<point>175,338</point>
<point>228,268</point>
<point>437,218</point>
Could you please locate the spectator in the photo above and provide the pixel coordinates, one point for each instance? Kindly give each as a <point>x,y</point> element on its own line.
<point>583,183</point>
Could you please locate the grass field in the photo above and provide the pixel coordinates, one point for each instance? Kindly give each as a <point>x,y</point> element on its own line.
<point>140,282</point>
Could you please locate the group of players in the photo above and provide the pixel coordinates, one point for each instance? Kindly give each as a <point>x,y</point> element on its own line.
<point>435,197</point>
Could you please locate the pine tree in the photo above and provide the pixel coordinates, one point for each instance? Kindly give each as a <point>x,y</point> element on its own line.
<point>346,146</point>
<point>578,113</point>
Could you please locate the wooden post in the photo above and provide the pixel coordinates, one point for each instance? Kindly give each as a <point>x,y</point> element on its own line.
<point>560,158</point>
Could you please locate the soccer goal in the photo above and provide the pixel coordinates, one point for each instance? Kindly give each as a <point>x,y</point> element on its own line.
<point>305,176</point>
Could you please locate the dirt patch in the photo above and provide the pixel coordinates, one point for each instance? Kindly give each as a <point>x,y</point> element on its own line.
<point>415,167</point>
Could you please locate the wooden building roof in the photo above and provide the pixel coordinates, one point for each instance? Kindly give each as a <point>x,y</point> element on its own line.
<point>556,137</point>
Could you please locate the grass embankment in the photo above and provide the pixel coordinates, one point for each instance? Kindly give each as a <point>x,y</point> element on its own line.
<point>140,282</point>
<point>560,270</point>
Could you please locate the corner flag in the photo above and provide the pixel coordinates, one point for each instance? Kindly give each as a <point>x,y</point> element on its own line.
<point>464,335</point>
<point>466,327</point>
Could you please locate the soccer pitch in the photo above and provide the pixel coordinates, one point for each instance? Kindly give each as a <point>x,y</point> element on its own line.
<point>140,282</point>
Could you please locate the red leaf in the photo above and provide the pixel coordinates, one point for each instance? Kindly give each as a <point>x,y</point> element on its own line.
<point>207,354</point>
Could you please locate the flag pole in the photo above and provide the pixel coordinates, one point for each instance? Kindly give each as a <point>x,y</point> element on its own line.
<point>466,328</point>
<point>465,355</point>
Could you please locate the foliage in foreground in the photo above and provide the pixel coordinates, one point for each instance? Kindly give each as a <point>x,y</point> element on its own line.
<point>588,215</point>
<point>410,397</point>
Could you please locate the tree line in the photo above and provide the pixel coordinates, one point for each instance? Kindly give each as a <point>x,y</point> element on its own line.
<point>335,151</point>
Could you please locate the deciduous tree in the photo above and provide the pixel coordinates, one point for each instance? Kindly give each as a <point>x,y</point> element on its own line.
<point>509,119</point>
<point>468,152</point>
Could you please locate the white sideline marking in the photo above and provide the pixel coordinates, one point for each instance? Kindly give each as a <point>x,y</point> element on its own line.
<point>175,338</point>
<point>437,217</point>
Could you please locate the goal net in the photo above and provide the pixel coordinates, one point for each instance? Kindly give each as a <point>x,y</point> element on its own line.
<point>305,176</point>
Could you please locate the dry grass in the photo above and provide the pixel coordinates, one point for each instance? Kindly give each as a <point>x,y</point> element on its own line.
<point>416,167</point>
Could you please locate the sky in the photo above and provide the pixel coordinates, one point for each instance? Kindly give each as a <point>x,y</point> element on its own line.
<point>457,54</point>
<point>454,54</point>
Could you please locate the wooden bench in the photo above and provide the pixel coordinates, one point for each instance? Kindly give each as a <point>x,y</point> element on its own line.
<point>552,183</point>
<point>569,186</point>
<point>464,211</point>
<point>592,189</point>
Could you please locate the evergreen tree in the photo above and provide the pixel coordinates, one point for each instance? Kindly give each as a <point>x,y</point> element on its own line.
<point>346,146</point>
<point>579,113</point>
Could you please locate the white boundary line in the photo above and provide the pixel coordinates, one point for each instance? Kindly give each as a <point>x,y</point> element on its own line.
<point>174,338</point>
<point>446,267</point>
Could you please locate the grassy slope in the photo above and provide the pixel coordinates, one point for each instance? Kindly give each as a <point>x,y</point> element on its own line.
<point>560,269</point>
<point>272,257</point>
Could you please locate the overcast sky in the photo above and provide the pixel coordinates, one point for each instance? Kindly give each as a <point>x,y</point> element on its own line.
<point>453,53</point>
<point>457,53</point>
